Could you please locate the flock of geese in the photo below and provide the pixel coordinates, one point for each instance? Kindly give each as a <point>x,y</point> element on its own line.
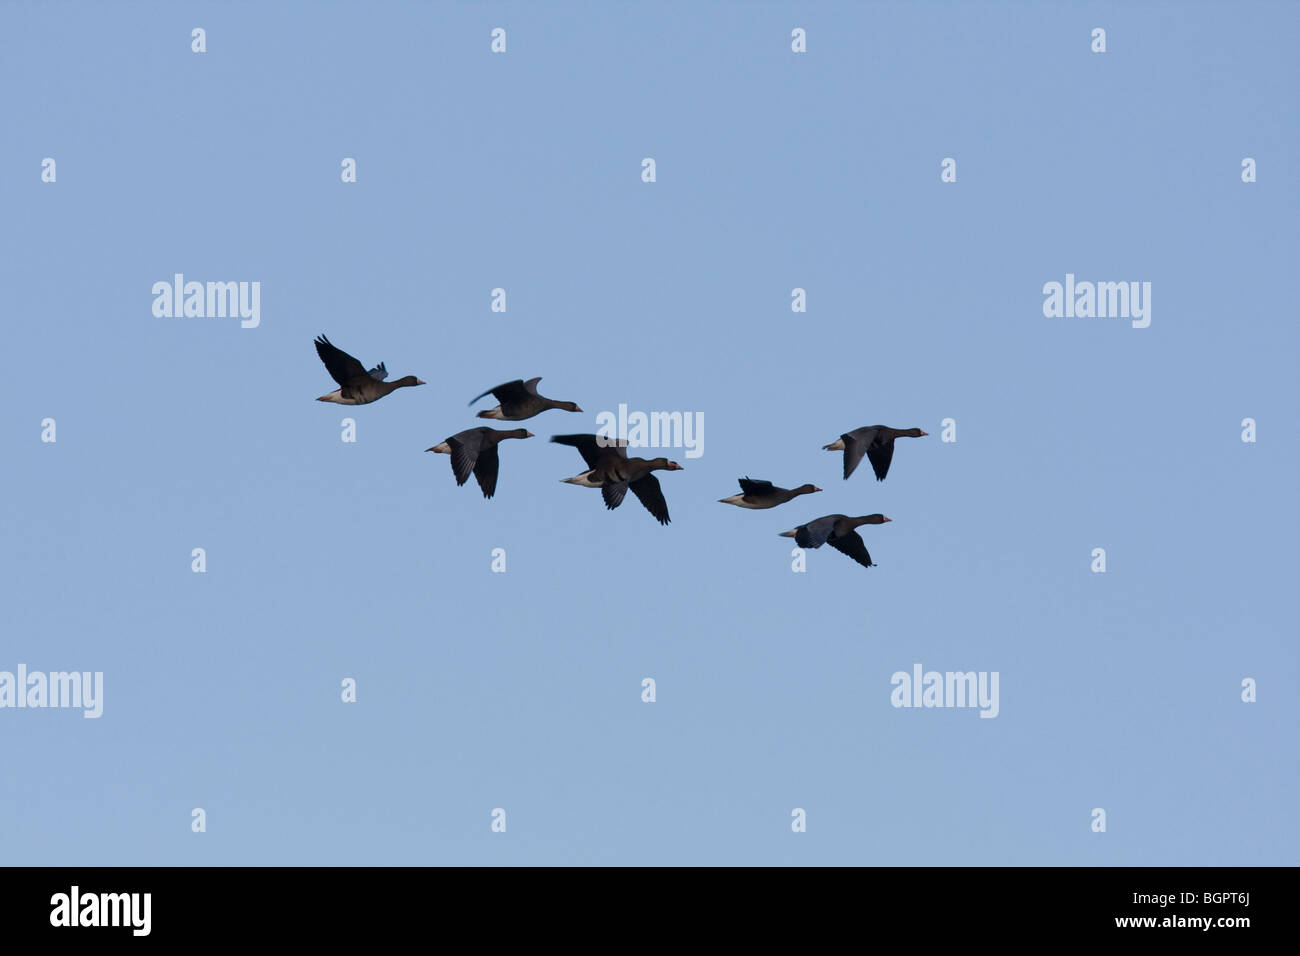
<point>474,451</point>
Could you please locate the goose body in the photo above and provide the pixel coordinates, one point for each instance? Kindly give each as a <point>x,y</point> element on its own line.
<point>763,494</point>
<point>357,386</point>
<point>475,451</point>
<point>874,441</point>
<point>839,531</point>
<point>610,470</point>
<point>519,400</point>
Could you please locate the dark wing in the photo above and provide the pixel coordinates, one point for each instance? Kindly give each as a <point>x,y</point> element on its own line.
<point>652,496</point>
<point>752,486</point>
<point>343,368</point>
<point>464,453</point>
<point>852,545</point>
<point>855,446</point>
<point>814,533</point>
<point>530,386</point>
<point>485,470</point>
<point>506,394</point>
<point>610,446</point>
<point>881,453</point>
<point>590,448</point>
<point>586,445</point>
<point>378,373</point>
<point>613,493</point>
<point>803,538</point>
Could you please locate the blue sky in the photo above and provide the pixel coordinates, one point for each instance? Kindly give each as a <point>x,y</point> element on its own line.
<point>775,170</point>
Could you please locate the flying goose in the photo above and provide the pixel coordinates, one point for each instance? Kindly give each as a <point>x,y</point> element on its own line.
<point>837,531</point>
<point>519,400</point>
<point>356,385</point>
<point>610,470</point>
<point>763,494</point>
<point>874,441</point>
<point>475,449</point>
